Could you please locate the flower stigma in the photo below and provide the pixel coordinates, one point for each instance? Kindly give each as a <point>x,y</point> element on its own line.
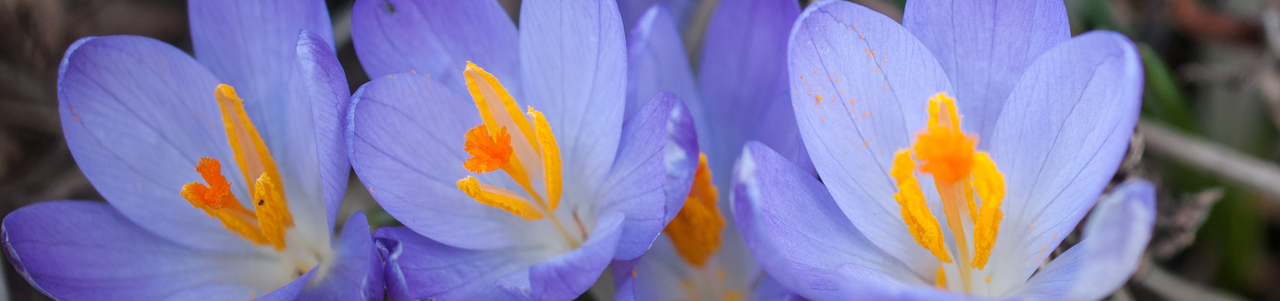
<point>519,144</point>
<point>963,176</point>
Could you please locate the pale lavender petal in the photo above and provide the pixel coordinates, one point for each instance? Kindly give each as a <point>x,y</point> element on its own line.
<point>330,98</point>
<point>569,275</point>
<point>1058,143</point>
<point>356,273</point>
<point>984,46</point>
<point>658,143</point>
<point>768,290</point>
<point>860,85</point>
<point>573,59</point>
<point>419,268</point>
<point>250,45</point>
<point>743,79</point>
<point>859,282</point>
<point>633,10</point>
<point>624,279</point>
<point>795,229</point>
<point>81,250</point>
<point>436,37</point>
<point>656,62</point>
<point>138,115</point>
<point>405,134</point>
<point>1115,236</point>
<point>291,291</point>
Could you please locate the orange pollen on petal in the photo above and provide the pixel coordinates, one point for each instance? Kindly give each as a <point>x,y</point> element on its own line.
<point>695,231</point>
<point>487,153</point>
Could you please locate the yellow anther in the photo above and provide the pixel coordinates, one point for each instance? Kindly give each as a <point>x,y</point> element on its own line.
<point>989,183</point>
<point>550,156</point>
<point>923,226</point>
<point>272,212</point>
<point>695,231</point>
<point>499,198</point>
<point>250,151</point>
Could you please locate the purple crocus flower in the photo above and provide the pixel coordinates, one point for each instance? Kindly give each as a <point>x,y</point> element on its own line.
<point>505,153</point>
<point>739,94</point>
<point>211,194</point>
<point>921,202</point>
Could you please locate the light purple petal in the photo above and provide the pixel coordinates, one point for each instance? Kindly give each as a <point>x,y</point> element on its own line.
<point>419,268</point>
<point>326,88</point>
<point>138,114</point>
<point>291,291</point>
<point>250,44</point>
<point>406,133</point>
<point>662,274</point>
<point>658,275</point>
<point>573,59</point>
<point>984,46</point>
<point>743,77</point>
<point>658,143</point>
<point>624,279</point>
<point>656,62</point>
<point>795,229</point>
<point>1115,236</point>
<point>633,10</point>
<point>80,250</point>
<point>568,275</point>
<point>875,80</point>
<point>436,37</point>
<point>356,273</point>
<point>769,289</point>
<point>1058,142</point>
<point>858,282</point>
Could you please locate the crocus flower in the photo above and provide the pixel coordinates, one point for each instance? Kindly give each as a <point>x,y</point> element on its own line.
<point>929,192</point>
<point>211,194</point>
<point>517,176</point>
<point>740,94</point>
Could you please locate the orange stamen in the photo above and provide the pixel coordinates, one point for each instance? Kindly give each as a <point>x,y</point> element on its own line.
<point>695,231</point>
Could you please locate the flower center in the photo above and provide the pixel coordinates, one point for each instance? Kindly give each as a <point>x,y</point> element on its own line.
<point>695,231</point>
<point>267,223</point>
<point>958,170</point>
<point>528,154</point>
